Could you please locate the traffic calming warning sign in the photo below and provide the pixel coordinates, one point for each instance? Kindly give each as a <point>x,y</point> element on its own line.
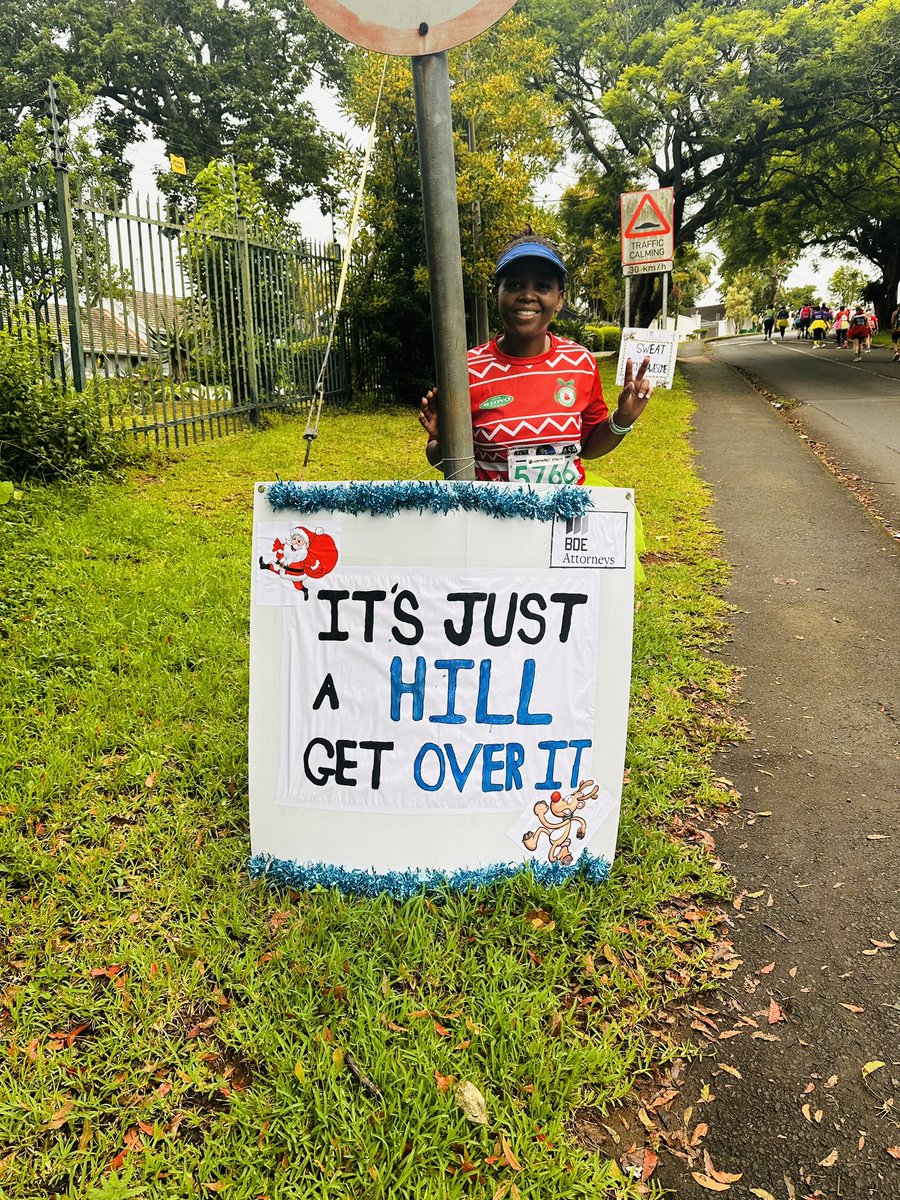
<point>648,241</point>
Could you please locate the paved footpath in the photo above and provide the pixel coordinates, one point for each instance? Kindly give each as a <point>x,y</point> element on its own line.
<point>816,584</point>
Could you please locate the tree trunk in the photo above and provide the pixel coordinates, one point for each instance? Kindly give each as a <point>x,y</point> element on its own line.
<point>646,300</point>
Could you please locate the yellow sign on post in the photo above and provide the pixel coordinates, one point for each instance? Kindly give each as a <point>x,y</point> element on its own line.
<point>177,164</point>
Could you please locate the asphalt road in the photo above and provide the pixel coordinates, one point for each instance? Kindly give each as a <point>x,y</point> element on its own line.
<point>802,1098</point>
<point>853,408</point>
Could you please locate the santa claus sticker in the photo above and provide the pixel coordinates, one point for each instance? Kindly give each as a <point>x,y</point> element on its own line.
<point>290,557</point>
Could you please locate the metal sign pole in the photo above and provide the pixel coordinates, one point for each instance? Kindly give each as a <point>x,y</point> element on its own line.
<point>431,79</point>
<point>627,301</point>
<point>665,299</point>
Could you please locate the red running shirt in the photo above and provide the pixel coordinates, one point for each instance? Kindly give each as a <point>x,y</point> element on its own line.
<point>549,404</point>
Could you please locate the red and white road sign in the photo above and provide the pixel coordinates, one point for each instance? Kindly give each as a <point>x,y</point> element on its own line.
<point>648,238</point>
<point>409,27</point>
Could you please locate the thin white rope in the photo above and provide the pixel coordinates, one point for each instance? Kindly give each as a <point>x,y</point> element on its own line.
<point>437,467</point>
<point>315,409</point>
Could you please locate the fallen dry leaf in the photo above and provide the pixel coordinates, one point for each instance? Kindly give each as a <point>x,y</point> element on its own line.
<point>830,1159</point>
<point>699,1133</point>
<point>831,1081</point>
<point>761,1193</point>
<point>731,1070</point>
<point>471,1101</point>
<point>854,1008</point>
<point>61,1115</point>
<point>807,1112</point>
<point>767,970</point>
<point>875,1065</point>
<point>894,1151</point>
<point>877,837</point>
<point>776,1013</point>
<point>540,919</point>
<point>509,1158</point>
<point>725,1177</point>
<point>444,1082</point>
<point>651,1161</point>
<point>711,1185</point>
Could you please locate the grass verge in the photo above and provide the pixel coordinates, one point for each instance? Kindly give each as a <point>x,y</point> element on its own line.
<point>171,1029</point>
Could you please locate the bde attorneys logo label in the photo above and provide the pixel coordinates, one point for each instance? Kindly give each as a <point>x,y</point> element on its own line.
<point>597,540</point>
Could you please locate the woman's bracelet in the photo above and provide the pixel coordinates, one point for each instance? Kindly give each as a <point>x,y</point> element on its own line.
<point>618,430</point>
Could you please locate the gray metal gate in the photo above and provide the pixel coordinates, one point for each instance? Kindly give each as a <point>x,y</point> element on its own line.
<point>181,329</point>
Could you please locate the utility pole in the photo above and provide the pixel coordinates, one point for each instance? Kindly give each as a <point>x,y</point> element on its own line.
<point>431,80</point>
<point>66,235</point>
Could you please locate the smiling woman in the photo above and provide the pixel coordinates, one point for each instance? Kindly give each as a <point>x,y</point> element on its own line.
<point>536,399</point>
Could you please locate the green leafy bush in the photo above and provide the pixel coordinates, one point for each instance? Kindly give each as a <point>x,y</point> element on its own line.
<point>602,337</point>
<point>47,431</point>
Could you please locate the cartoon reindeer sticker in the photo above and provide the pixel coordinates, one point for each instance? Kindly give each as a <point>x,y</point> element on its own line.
<point>564,811</point>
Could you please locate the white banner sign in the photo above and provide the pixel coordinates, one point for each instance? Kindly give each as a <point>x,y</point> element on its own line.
<point>439,691</point>
<point>660,345</point>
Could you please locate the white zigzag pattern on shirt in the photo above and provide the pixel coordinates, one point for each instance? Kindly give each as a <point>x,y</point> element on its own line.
<point>572,360</point>
<point>536,426</point>
<point>570,353</point>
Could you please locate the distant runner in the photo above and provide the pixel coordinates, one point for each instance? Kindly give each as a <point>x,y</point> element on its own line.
<point>858,332</point>
<point>895,333</point>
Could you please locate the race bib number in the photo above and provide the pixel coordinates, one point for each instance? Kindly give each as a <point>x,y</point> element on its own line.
<point>527,467</point>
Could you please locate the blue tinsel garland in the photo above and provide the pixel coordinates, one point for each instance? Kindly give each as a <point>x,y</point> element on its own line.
<point>404,884</point>
<point>387,499</point>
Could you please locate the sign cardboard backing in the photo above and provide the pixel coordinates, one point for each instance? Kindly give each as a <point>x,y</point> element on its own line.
<point>428,692</point>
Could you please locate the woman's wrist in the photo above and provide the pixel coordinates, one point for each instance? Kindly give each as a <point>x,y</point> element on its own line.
<point>618,424</point>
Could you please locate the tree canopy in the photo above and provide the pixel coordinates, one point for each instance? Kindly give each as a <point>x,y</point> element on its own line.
<point>739,104</point>
<point>209,79</point>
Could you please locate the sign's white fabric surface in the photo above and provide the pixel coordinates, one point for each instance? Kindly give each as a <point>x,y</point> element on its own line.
<point>455,724</point>
<point>438,685</point>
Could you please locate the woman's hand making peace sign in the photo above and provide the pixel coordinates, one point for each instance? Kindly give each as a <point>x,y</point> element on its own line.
<point>634,395</point>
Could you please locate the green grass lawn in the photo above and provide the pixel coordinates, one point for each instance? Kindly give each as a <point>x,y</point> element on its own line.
<point>171,1029</point>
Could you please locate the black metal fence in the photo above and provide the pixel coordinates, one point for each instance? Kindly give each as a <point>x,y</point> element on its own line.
<point>181,329</point>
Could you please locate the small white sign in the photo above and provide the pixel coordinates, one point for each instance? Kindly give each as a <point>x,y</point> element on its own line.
<point>648,268</point>
<point>660,345</point>
<point>595,541</point>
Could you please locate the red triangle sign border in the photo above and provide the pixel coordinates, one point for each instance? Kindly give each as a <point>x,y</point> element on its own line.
<point>646,199</point>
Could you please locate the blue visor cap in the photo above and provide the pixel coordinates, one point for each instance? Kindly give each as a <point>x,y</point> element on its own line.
<point>530,250</point>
